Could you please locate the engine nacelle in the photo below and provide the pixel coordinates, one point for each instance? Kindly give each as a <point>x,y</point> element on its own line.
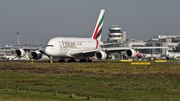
<point>101,55</point>
<point>20,52</point>
<point>131,53</point>
<point>36,55</point>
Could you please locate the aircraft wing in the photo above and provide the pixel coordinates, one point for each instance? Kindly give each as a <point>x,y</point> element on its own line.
<point>117,49</point>
<point>34,52</point>
<point>26,48</point>
<point>111,50</point>
<point>91,52</point>
<point>150,47</point>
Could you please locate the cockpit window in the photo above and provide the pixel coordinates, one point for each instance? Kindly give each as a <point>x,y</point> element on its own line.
<point>49,46</point>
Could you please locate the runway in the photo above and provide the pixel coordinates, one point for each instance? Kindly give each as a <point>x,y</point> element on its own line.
<point>97,61</point>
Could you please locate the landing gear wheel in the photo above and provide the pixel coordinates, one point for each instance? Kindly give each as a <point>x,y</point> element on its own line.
<point>61,60</point>
<point>89,60</point>
<point>72,60</point>
<point>82,60</point>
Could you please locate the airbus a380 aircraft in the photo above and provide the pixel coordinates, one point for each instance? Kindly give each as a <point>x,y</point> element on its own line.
<point>85,48</point>
<point>82,48</point>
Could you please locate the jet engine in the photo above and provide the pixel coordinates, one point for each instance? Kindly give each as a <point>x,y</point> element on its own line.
<point>101,55</point>
<point>131,53</point>
<point>36,54</point>
<point>20,52</point>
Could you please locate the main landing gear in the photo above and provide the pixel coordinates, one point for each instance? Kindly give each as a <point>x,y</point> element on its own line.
<point>85,60</point>
<point>61,60</point>
<point>74,60</point>
<point>71,60</point>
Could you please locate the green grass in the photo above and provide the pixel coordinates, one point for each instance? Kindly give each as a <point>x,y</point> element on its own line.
<point>117,81</point>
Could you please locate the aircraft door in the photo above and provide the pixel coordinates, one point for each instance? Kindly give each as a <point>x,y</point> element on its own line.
<point>60,46</point>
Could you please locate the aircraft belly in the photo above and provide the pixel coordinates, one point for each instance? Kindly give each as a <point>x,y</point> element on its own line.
<point>63,53</point>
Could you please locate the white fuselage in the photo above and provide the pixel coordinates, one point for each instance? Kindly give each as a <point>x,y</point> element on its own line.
<point>62,46</point>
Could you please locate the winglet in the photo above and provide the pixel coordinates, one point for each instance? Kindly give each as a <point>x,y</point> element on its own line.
<point>99,25</point>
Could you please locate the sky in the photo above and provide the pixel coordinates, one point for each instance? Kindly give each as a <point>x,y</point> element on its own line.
<point>40,20</point>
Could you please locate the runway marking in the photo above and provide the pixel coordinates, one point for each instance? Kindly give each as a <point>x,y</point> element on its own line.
<point>125,60</point>
<point>141,63</point>
<point>160,60</point>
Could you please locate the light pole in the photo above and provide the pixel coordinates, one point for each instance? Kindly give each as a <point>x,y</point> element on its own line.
<point>18,33</point>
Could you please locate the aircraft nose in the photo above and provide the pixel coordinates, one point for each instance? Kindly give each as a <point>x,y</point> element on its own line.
<point>47,51</point>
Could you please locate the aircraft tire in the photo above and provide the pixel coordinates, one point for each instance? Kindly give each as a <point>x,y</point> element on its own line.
<point>61,60</point>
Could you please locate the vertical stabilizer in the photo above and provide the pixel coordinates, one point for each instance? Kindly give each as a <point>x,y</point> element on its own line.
<point>99,25</point>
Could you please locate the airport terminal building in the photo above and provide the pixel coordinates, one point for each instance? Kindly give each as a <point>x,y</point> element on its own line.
<point>117,38</point>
